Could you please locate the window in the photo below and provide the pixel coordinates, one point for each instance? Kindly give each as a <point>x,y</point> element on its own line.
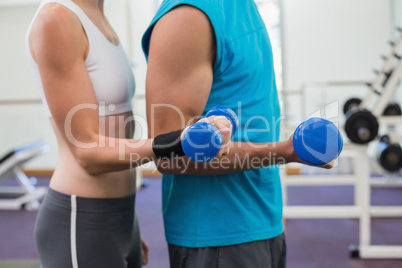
<point>271,14</point>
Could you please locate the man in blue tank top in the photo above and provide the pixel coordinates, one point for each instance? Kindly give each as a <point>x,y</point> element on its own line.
<point>202,54</point>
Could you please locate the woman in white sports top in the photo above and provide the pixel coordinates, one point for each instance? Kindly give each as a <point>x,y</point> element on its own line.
<point>87,219</point>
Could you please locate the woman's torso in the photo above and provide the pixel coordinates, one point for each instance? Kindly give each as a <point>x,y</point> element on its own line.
<point>113,82</point>
<point>70,178</point>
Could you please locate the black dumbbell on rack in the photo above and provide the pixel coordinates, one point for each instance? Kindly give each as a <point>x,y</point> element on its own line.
<point>361,126</point>
<point>389,155</point>
<point>350,104</point>
<point>392,109</point>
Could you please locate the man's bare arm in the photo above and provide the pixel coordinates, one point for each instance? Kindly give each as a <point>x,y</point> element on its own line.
<point>179,69</point>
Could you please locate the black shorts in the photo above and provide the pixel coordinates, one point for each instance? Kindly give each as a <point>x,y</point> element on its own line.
<point>74,232</point>
<point>269,253</point>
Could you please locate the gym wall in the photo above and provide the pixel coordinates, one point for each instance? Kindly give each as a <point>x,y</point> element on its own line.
<point>21,123</point>
<point>332,41</point>
<point>397,12</point>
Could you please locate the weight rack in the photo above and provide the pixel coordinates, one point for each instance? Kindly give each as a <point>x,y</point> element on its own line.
<point>387,79</point>
<point>361,209</point>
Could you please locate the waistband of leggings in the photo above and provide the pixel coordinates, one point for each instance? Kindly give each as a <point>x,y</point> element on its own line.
<point>86,204</point>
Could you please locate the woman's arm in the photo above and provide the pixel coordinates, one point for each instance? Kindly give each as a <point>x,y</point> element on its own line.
<point>59,45</point>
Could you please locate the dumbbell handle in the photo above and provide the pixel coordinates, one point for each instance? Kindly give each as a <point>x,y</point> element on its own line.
<point>202,141</point>
<point>228,113</point>
<point>363,133</point>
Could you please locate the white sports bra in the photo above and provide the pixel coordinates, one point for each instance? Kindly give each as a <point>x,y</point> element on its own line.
<point>107,65</point>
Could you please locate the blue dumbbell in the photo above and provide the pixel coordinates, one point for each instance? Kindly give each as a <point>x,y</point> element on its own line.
<point>228,113</point>
<point>317,141</point>
<point>202,141</point>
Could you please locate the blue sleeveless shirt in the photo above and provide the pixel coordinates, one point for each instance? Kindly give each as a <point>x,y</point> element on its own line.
<point>207,211</point>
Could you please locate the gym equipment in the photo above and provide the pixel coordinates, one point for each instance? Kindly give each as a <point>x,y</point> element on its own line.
<point>361,127</point>
<point>389,155</point>
<point>317,141</point>
<point>386,82</point>
<point>202,141</point>
<point>352,103</point>
<point>363,117</point>
<point>10,165</point>
<point>392,109</point>
<point>361,209</point>
<point>219,111</point>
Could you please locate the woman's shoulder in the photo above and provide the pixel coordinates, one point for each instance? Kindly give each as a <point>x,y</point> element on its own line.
<point>55,21</point>
<point>54,14</point>
<point>56,27</point>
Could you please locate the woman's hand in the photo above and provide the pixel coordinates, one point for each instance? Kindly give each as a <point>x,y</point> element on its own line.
<point>225,128</point>
<point>144,251</point>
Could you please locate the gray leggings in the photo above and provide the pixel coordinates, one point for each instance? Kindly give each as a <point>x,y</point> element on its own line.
<point>77,232</point>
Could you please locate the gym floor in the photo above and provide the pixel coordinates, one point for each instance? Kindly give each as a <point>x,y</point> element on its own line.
<point>311,243</point>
